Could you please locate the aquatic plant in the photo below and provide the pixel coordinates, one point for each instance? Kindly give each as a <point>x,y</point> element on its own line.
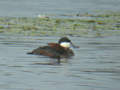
<point>99,24</point>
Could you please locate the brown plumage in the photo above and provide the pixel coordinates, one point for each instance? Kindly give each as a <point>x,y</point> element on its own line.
<point>54,50</point>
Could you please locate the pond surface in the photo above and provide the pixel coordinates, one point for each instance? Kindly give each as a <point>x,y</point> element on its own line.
<point>32,8</point>
<point>95,66</point>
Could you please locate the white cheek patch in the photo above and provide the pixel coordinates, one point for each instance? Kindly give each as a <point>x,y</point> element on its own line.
<point>65,44</point>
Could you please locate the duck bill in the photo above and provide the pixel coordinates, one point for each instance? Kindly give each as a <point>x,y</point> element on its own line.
<point>74,46</point>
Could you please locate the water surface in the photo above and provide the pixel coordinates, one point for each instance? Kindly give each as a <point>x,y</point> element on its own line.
<point>14,8</point>
<point>95,66</point>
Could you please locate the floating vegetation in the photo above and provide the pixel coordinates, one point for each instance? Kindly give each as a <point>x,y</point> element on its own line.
<point>82,25</point>
<point>1,27</point>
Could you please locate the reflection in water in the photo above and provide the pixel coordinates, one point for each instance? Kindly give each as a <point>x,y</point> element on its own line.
<point>45,64</point>
<point>95,66</point>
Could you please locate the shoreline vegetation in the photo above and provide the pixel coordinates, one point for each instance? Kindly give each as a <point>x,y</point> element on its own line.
<point>86,25</point>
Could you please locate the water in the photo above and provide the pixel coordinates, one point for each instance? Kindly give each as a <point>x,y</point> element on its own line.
<point>95,66</point>
<point>32,8</point>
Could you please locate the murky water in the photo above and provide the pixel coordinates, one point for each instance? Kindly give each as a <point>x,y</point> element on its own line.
<point>95,66</point>
<point>35,7</point>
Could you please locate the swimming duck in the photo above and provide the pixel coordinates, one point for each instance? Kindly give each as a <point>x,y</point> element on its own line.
<point>56,50</point>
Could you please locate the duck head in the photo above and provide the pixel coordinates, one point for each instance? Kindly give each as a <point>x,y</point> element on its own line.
<point>66,43</point>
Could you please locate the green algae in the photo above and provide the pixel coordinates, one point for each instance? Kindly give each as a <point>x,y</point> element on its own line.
<point>96,25</point>
<point>1,27</point>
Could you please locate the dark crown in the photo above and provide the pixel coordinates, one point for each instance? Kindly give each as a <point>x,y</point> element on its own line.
<point>64,39</point>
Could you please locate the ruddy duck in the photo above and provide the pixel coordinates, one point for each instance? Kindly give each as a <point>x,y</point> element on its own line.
<point>56,50</point>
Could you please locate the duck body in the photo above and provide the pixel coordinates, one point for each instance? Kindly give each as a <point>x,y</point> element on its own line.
<point>55,50</point>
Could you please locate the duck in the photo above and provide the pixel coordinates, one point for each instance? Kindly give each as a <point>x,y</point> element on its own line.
<point>56,50</point>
